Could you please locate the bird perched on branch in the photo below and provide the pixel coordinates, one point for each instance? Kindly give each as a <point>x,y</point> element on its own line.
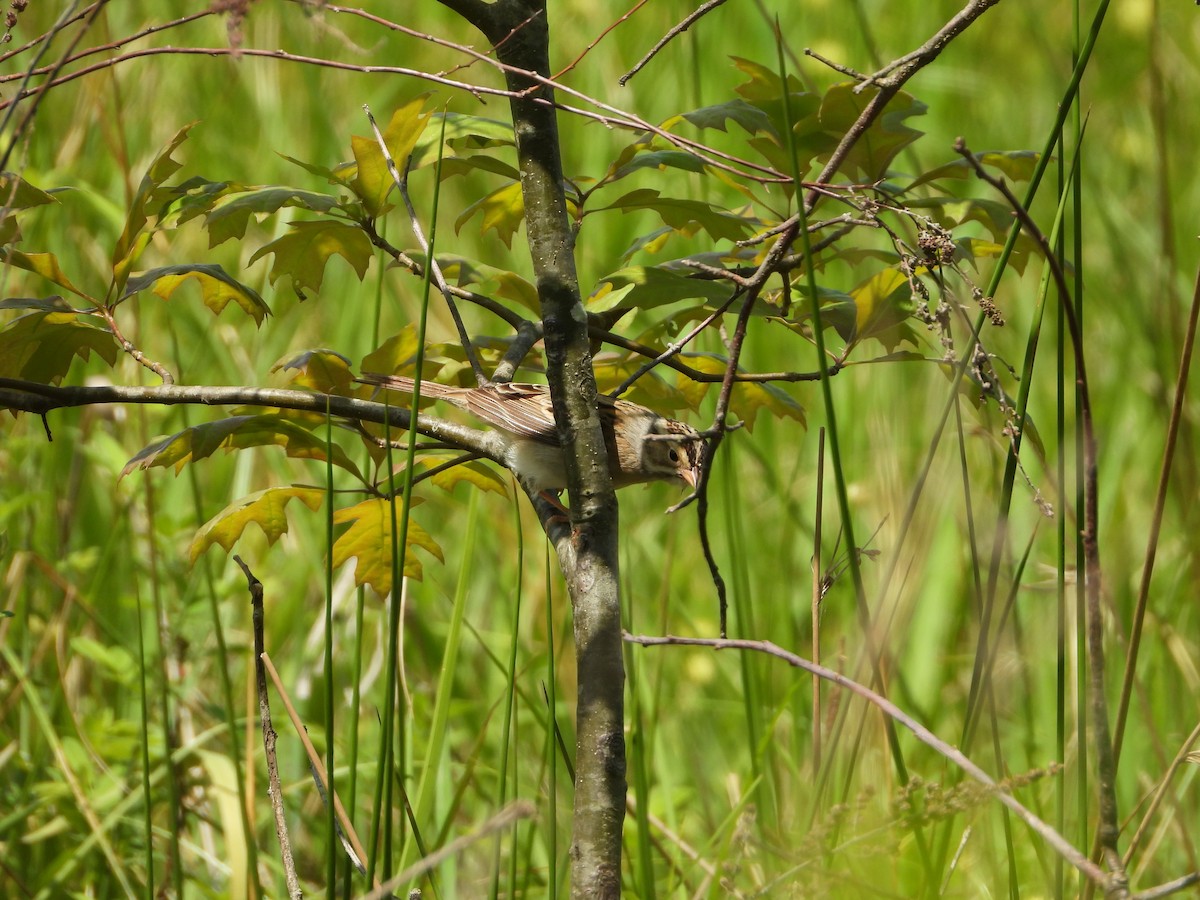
<point>642,445</point>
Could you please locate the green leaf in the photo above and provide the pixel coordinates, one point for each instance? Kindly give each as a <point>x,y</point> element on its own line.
<point>952,212</point>
<point>133,240</point>
<point>751,118</point>
<point>462,132</point>
<point>41,346</point>
<point>650,390</point>
<point>651,153</point>
<point>303,254</point>
<point>369,540</point>
<point>502,210</point>
<point>873,153</point>
<point>17,193</point>
<point>484,279</point>
<point>230,215</point>
<point>264,509</point>
<point>749,398</point>
<point>685,215</point>
<point>53,303</point>
<point>341,174</point>
<point>461,165</point>
<point>648,287</point>
<point>764,83</point>
<point>373,182</point>
<point>392,354</point>
<point>1016,164</point>
<point>324,371</point>
<point>216,286</point>
<point>475,473</point>
<point>1025,249</point>
<point>883,303</point>
<point>44,264</point>
<point>238,433</point>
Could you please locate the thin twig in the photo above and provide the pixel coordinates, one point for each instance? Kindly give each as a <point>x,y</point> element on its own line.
<point>688,22</point>
<point>128,347</point>
<point>603,34</point>
<point>417,268</point>
<point>514,812</point>
<point>350,841</point>
<point>1060,844</point>
<point>13,139</point>
<point>401,182</point>
<point>676,347</point>
<point>1159,793</point>
<point>898,73</point>
<point>778,249</point>
<point>274,788</point>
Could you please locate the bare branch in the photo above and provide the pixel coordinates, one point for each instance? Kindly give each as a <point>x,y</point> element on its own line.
<point>1060,844</point>
<point>679,29</point>
<point>30,396</point>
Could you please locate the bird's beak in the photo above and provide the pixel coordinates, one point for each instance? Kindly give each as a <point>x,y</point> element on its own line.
<point>691,476</point>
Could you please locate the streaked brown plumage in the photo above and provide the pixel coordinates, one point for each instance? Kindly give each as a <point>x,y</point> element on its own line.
<point>523,412</point>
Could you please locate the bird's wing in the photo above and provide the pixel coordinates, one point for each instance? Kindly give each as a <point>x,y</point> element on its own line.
<point>520,409</point>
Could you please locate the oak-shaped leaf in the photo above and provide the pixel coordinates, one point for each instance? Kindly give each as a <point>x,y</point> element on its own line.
<point>951,212</point>
<point>459,132</point>
<point>40,346</point>
<point>686,216</point>
<point>502,211</point>
<point>478,162</point>
<point>303,253</point>
<point>647,287</point>
<point>649,390</point>
<point>882,306</point>
<point>390,356</point>
<point>237,433</point>
<point>372,180</point>
<point>838,310</point>
<point>972,250</point>
<point>763,83</point>
<point>475,473</point>
<point>264,509</point>
<point>149,196</point>
<point>230,215</point>
<point>651,152</point>
<point>324,371</point>
<point>840,108</point>
<point>484,279</point>
<point>749,398</point>
<point>369,541</point>
<point>53,303</point>
<point>217,287</point>
<point>44,264</point>
<point>1017,165</point>
<point>751,118</point>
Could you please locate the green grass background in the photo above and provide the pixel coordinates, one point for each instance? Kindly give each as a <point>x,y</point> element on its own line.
<point>721,743</point>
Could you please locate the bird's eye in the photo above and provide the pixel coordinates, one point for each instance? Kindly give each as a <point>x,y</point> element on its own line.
<point>673,455</point>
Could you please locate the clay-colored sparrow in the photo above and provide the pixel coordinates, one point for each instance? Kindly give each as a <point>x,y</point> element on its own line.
<point>523,413</point>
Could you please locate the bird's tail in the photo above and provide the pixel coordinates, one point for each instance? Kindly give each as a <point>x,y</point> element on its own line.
<point>405,385</point>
